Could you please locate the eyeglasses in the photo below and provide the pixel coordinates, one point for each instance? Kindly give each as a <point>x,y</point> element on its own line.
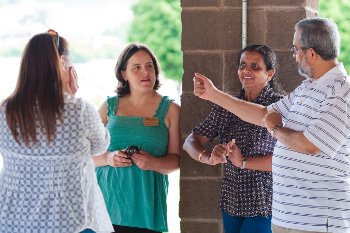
<point>294,50</point>
<point>55,35</point>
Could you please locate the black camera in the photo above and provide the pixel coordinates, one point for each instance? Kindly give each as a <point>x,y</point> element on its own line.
<point>132,150</point>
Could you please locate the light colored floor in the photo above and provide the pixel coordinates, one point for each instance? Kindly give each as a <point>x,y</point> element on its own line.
<point>173,202</point>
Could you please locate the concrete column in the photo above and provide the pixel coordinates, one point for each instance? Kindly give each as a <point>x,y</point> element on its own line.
<point>211,40</point>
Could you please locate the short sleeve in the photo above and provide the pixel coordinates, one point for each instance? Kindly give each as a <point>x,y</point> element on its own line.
<point>95,132</point>
<point>329,128</point>
<point>283,105</point>
<point>209,127</point>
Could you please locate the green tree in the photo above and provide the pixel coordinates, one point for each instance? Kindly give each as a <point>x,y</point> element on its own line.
<point>339,12</point>
<point>158,24</point>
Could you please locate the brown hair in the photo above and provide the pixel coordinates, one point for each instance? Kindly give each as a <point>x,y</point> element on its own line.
<point>38,100</point>
<point>123,88</point>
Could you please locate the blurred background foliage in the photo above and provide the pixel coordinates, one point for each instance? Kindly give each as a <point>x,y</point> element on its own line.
<point>158,24</point>
<point>339,12</point>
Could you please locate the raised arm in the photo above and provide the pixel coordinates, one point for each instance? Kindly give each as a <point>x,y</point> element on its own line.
<point>250,112</point>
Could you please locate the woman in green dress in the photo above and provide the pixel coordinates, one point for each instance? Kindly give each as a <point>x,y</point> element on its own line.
<point>135,185</point>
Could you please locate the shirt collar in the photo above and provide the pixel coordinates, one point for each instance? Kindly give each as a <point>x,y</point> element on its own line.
<point>336,71</point>
<point>265,92</point>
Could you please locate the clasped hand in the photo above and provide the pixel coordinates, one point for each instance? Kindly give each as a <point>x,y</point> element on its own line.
<point>221,152</point>
<point>120,159</point>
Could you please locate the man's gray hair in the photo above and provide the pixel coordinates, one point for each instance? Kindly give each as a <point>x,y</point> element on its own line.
<point>320,34</point>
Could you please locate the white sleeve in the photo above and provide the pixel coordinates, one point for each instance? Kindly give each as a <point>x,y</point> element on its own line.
<point>95,132</point>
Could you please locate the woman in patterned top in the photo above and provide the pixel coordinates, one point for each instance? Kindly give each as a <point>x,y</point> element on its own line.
<point>47,137</point>
<point>246,190</point>
<point>135,185</point>
<point>71,80</point>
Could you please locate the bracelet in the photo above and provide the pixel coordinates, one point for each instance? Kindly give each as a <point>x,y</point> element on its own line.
<point>274,129</point>
<point>200,155</point>
<point>244,162</point>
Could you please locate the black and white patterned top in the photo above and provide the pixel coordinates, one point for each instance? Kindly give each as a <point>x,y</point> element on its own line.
<point>244,192</point>
<point>52,187</point>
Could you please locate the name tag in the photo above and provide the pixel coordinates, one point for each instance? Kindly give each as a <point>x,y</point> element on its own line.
<point>150,121</point>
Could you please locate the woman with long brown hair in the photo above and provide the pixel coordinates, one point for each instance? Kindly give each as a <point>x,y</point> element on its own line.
<point>46,138</point>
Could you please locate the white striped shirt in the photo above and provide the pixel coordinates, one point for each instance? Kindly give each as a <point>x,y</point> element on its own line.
<point>312,192</point>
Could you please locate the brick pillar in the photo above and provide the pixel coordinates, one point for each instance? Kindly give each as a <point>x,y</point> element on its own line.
<point>211,40</point>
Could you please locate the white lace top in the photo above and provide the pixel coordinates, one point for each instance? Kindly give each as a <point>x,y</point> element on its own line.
<point>52,187</point>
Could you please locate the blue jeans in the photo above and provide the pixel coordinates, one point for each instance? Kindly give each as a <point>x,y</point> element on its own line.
<point>234,224</point>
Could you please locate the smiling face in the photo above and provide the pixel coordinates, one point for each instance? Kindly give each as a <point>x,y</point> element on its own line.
<point>140,72</point>
<point>252,71</point>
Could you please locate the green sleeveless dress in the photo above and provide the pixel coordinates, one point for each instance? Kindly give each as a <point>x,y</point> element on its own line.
<point>135,197</point>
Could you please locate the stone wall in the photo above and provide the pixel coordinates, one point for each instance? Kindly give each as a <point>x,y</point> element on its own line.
<point>211,40</point>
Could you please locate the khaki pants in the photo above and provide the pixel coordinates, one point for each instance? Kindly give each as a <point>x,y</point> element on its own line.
<point>278,229</point>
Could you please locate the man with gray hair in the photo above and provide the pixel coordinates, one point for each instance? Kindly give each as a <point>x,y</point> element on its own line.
<point>311,160</point>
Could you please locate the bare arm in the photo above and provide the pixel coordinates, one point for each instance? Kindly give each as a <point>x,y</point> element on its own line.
<point>103,113</point>
<point>288,137</point>
<point>100,160</point>
<point>261,163</point>
<point>113,159</point>
<point>110,158</point>
<point>171,161</point>
<point>296,141</point>
<point>195,146</point>
<point>250,112</point>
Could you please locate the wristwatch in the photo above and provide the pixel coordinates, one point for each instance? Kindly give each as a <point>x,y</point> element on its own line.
<point>244,162</point>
